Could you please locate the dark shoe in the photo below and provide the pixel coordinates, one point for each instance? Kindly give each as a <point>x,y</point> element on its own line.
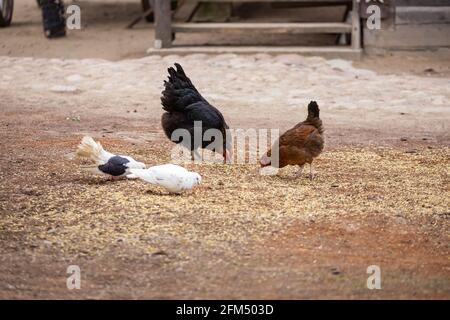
<point>53,18</point>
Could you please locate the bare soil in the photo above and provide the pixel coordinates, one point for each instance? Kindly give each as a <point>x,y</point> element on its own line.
<point>381,196</point>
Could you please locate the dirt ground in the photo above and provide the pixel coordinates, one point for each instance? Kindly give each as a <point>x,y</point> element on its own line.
<point>381,196</point>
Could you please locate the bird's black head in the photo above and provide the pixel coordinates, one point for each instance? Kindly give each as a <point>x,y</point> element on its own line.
<point>313,110</point>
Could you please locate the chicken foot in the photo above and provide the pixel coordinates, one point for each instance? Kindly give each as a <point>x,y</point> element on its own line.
<point>312,173</point>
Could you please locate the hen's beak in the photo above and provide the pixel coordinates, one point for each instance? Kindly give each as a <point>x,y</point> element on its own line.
<point>227,156</point>
<point>265,161</point>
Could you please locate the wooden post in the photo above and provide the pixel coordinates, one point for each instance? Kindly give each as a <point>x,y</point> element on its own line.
<point>356,26</point>
<point>163,24</point>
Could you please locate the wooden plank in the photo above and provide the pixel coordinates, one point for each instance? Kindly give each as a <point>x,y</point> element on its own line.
<point>422,15</point>
<point>356,26</point>
<point>163,29</point>
<point>432,3</point>
<point>408,37</point>
<point>141,17</point>
<point>291,28</point>
<point>345,52</point>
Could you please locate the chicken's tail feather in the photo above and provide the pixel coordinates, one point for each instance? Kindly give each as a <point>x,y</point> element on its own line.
<point>313,116</point>
<point>313,110</point>
<point>92,150</point>
<point>179,92</point>
<point>143,174</point>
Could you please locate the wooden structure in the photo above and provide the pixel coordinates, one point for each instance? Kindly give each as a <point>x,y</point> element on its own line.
<point>164,28</point>
<point>405,25</point>
<point>409,25</point>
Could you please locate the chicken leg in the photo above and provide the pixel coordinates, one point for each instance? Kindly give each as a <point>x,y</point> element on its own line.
<point>312,174</point>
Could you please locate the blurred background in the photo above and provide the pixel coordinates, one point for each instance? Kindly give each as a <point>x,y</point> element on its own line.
<point>411,25</point>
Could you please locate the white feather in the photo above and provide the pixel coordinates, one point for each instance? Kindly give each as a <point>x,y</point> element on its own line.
<point>133,164</point>
<point>92,150</point>
<point>173,178</point>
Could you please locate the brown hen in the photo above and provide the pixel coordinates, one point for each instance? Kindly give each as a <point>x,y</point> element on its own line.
<point>299,145</point>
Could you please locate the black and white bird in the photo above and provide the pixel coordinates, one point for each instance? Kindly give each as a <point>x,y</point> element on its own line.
<point>106,163</point>
<point>171,177</point>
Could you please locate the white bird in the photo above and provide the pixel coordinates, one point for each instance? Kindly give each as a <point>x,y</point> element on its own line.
<point>173,178</point>
<point>106,162</point>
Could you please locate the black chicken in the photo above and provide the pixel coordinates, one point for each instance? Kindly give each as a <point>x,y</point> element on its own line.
<point>184,105</point>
